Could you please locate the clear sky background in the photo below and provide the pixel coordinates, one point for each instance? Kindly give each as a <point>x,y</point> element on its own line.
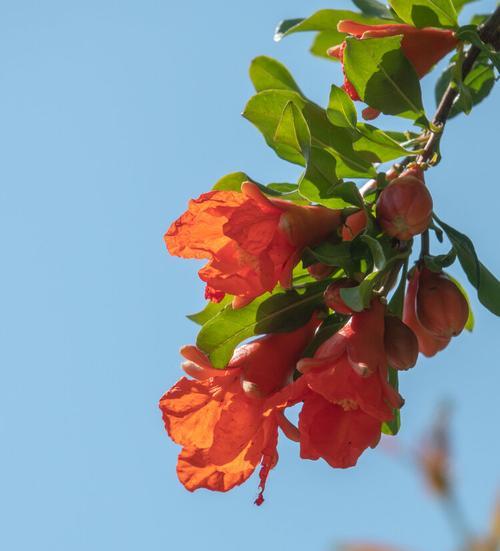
<point>112,115</point>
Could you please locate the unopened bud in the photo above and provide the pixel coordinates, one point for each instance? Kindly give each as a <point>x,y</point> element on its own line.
<point>401,344</point>
<point>441,306</point>
<point>404,208</point>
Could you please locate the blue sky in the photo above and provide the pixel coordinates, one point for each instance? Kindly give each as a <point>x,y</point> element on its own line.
<point>112,115</point>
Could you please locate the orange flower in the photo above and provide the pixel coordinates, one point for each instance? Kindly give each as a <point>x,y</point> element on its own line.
<point>227,420</point>
<point>423,48</point>
<point>252,242</point>
<point>346,394</point>
<point>429,343</point>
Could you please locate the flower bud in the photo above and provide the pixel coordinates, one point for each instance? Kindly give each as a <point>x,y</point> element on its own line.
<point>401,344</point>
<point>404,208</point>
<point>441,306</point>
<point>333,298</point>
<point>320,271</point>
<point>354,225</point>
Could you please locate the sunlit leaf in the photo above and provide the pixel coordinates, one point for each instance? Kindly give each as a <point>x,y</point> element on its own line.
<point>280,312</point>
<point>383,76</point>
<point>426,13</point>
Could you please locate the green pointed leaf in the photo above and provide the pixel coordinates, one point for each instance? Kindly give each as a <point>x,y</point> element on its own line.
<point>373,8</point>
<point>265,110</point>
<point>267,73</point>
<point>376,250</point>
<point>358,298</point>
<point>210,311</point>
<point>378,145</point>
<point>292,130</point>
<point>383,76</point>
<point>280,312</point>
<point>398,297</point>
<point>392,427</point>
<point>232,182</point>
<point>426,13</point>
<point>323,20</point>
<point>487,285</point>
<point>341,110</point>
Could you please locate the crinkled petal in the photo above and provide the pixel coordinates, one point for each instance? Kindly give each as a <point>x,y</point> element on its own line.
<point>336,435</point>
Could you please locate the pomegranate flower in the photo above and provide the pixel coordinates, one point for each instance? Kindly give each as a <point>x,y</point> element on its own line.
<point>346,393</point>
<point>227,420</point>
<point>252,242</point>
<point>423,48</point>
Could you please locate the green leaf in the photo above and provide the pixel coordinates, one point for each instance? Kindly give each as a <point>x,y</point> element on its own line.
<point>332,255</point>
<point>392,427</point>
<point>358,298</point>
<point>341,110</point>
<point>398,297</point>
<point>383,76</point>
<point>373,8</point>
<point>232,182</point>
<point>210,311</point>
<point>426,13</point>
<point>292,130</point>
<point>470,34</point>
<point>487,285</point>
<point>378,145</point>
<point>376,250</point>
<point>267,73</point>
<point>323,41</point>
<point>323,20</point>
<point>265,111</point>
<point>319,182</point>
<point>280,312</point>
<point>437,263</point>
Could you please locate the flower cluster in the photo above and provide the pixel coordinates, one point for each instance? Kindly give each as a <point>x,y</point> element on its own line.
<point>319,272</point>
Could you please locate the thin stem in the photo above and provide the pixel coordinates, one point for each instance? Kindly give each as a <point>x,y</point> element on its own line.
<point>425,244</point>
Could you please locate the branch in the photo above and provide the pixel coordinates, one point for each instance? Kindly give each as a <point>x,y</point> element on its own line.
<point>489,32</point>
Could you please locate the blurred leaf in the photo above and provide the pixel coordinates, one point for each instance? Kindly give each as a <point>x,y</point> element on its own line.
<point>373,8</point>
<point>383,76</point>
<point>323,41</point>
<point>265,110</point>
<point>280,312</point>
<point>426,13</point>
<point>210,311</point>
<point>481,278</point>
<point>341,110</point>
<point>232,182</point>
<point>267,73</point>
<point>332,255</point>
<point>470,34</point>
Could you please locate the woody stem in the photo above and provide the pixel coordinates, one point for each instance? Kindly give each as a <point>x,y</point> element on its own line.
<point>489,32</point>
